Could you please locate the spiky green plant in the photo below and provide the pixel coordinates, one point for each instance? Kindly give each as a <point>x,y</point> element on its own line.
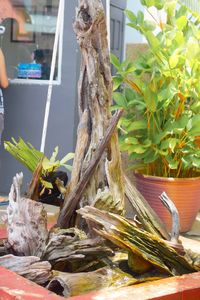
<point>30,158</point>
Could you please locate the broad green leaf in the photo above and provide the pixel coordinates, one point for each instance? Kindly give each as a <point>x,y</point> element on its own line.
<point>115,61</point>
<point>140,17</point>
<point>173,164</point>
<point>129,94</point>
<point>120,99</point>
<point>131,16</point>
<point>117,81</point>
<point>159,4</point>
<point>137,125</point>
<point>194,126</point>
<point>150,157</point>
<point>150,100</point>
<point>181,22</point>
<point>131,140</point>
<point>179,38</point>
<point>153,41</point>
<point>137,149</point>
<point>167,92</point>
<point>196,162</point>
<point>173,60</point>
<point>172,143</point>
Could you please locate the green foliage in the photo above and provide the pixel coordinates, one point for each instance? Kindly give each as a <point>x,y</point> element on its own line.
<point>160,93</point>
<point>30,158</point>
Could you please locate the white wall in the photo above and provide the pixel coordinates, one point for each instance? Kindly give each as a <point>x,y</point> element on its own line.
<point>131,35</point>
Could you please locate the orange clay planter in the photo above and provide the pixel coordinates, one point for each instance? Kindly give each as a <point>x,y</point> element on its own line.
<point>184,192</point>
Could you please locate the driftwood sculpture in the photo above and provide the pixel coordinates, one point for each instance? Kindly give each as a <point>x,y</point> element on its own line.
<point>73,259</point>
<point>95,99</point>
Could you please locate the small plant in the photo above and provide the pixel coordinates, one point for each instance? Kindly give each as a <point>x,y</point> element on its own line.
<point>160,93</point>
<point>30,158</point>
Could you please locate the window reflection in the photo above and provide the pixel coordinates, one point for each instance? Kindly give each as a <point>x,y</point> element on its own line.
<point>29,36</point>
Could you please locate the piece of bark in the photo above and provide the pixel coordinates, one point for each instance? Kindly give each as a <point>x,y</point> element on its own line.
<point>95,98</point>
<point>127,236</point>
<point>26,223</point>
<point>146,215</point>
<point>71,248</point>
<point>33,189</point>
<point>73,200</point>
<point>81,143</point>
<point>29,267</point>
<point>3,250</point>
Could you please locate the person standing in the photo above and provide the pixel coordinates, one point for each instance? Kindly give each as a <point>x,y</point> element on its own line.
<point>3,84</point>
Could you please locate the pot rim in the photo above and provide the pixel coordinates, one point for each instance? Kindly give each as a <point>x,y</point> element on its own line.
<point>160,178</point>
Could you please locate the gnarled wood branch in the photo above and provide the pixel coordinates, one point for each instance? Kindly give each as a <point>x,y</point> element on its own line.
<point>95,98</point>
<point>29,267</point>
<point>26,223</point>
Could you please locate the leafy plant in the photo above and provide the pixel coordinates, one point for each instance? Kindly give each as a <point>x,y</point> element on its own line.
<point>160,93</point>
<point>30,158</point>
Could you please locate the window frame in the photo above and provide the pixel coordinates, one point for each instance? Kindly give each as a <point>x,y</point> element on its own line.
<point>30,81</point>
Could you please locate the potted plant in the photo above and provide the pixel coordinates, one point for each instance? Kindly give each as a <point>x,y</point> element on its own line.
<point>160,95</point>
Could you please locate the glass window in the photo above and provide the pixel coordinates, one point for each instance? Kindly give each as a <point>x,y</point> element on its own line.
<point>28,39</point>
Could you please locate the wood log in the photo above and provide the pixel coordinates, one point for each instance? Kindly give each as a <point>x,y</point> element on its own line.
<point>29,267</point>
<point>75,284</point>
<point>95,98</point>
<point>127,236</point>
<point>26,223</point>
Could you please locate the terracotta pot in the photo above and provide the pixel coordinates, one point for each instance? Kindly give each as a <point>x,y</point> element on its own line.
<point>184,192</point>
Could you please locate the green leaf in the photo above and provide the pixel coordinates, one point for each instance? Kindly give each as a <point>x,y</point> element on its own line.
<point>172,143</point>
<point>173,164</point>
<point>131,16</point>
<point>131,140</point>
<point>173,60</point>
<point>193,126</point>
<point>129,94</point>
<point>117,81</point>
<point>54,154</point>
<point>67,157</point>
<point>150,99</point>
<point>68,167</point>
<point>137,125</point>
<point>140,17</point>
<point>181,22</point>
<point>46,184</point>
<point>152,40</point>
<point>139,149</point>
<point>150,157</point>
<point>115,61</point>
<point>120,99</point>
